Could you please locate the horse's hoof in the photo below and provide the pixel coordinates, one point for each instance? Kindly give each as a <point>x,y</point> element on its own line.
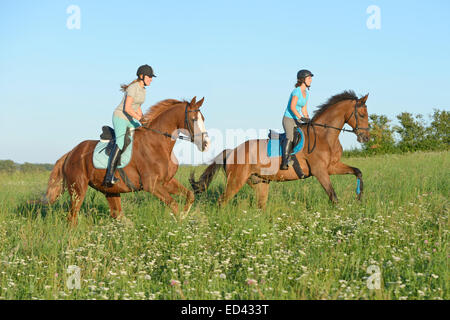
<point>125,221</point>
<point>183,215</point>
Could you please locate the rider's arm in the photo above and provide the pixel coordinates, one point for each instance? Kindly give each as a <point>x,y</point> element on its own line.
<point>305,110</point>
<point>293,104</point>
<point>129,110</point>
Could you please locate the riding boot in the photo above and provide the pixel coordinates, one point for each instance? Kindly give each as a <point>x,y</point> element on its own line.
<point>113,161</point>
<point>286,150</point>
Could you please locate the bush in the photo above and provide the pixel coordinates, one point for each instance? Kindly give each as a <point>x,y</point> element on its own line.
<point>412,132</point>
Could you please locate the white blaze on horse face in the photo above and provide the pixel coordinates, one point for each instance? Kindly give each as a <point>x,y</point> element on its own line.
<point>200,133</point>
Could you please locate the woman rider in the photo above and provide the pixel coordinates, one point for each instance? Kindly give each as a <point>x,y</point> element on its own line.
<point>297,102</point>
<point>126,115</point>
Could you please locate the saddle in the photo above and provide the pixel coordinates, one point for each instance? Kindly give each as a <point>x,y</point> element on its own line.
<point>273,135</point>
<point>109,136</point>
<point>103,150</point>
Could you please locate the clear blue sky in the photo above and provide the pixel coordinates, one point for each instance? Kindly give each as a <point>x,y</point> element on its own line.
<point>59,86</point>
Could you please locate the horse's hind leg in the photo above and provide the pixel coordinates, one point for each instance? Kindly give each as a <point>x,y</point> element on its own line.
<point>262,192</point>
<point>342,168</point>
<point>325,181</point>
<point>115,207</point>
<point>236,178</point>
<point>77,191</point>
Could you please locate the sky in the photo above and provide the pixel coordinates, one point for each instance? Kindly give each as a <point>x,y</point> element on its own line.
<point>60,85</point>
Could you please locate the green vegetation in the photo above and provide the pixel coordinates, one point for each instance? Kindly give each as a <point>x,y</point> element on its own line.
<point>11,166</point>
<point>410,135</point>
<point>301,247</point>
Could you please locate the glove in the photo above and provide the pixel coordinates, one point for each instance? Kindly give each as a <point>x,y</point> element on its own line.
<point>306,120</point>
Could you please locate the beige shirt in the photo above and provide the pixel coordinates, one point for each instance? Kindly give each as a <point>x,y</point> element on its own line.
<point>138,94</point>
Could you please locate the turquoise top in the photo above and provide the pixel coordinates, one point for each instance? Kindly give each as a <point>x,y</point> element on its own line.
<point>300,103</point>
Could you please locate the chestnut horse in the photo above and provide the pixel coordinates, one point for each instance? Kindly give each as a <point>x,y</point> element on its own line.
<point>249,162</point>
<point>152,166</point>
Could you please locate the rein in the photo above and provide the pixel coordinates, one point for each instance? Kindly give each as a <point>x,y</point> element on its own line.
<point>326,126</point>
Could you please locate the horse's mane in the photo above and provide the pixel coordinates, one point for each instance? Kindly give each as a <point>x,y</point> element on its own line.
<point>156,110</point>
<point>346,95</point>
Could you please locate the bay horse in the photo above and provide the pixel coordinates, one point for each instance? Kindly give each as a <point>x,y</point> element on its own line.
<point>152,166</point>
<point>249,162</point>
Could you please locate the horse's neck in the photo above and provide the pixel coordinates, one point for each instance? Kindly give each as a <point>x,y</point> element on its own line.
<point>335,117</point>
<point>167,122</point>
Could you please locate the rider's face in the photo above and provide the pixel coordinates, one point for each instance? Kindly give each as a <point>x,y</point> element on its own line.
<point>308,81</point>
<point>147,80</point>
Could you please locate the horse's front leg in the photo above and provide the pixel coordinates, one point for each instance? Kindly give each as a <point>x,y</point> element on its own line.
<point>157,187</point>
<point>175,187</point>
<point>342,168</point>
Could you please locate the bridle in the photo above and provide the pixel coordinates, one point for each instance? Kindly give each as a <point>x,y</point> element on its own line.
<point>187,124</point>
<point>326,126</point>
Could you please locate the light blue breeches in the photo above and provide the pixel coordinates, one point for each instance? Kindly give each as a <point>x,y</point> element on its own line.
<point>120,128</point>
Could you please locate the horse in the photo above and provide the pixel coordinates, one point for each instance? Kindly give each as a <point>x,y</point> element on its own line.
<point>152,166</point>
<point>249,162</point>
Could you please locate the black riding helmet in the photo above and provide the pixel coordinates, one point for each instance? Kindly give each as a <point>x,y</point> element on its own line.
<point>303,74</point>
<point>145,70</point>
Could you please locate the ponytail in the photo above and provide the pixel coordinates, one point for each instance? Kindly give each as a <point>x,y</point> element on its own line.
<point>300,82</point>
<point>124,87</point>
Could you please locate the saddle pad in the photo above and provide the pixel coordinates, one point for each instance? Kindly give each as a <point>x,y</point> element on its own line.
<point>274,146</point>
<point>100,158</point>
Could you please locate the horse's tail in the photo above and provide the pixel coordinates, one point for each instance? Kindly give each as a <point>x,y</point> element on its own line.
<point>56,183</point>
<point>202,184</point>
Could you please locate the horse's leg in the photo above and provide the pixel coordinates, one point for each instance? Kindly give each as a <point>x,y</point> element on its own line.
<point>236,178</point>
<point>342,168</point>
<point>175,187</point>
<point>161,192</point>
<point>262,193</point>
<point>325,181</point>
<point>114,205</point>
<point>77,191</point>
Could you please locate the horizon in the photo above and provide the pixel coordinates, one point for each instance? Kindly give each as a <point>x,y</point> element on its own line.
<point>63,62</point>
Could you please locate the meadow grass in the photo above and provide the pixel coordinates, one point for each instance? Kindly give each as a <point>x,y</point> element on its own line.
<point>300,247</point>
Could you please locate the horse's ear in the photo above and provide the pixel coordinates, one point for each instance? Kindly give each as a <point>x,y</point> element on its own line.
<point>364,99</point>
<point>200,102</point>
<point>193,101</point>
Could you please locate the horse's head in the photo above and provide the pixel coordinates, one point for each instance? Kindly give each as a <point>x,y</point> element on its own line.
<point>195,124</point>
<point>359,119</point>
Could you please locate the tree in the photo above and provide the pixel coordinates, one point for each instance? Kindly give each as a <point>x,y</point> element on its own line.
<point>439,129</point>
<point>7,165</point>
<point>412,132</point>
<point>381,134</point>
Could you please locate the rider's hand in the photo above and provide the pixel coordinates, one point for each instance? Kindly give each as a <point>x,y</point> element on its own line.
<point>306,120</point>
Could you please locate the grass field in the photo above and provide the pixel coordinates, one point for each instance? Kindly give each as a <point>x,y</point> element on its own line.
<point>300,247</point>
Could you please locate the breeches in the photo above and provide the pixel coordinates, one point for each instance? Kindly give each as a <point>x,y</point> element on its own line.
<point>120,128</point>
<point>289,126</point>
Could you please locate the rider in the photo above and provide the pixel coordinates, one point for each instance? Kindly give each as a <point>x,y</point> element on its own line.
<point>297,101</point>
<point>124,116</point>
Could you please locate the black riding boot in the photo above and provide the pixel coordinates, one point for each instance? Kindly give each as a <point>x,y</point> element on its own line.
<point>286,149</point>
<point>113,161</point>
